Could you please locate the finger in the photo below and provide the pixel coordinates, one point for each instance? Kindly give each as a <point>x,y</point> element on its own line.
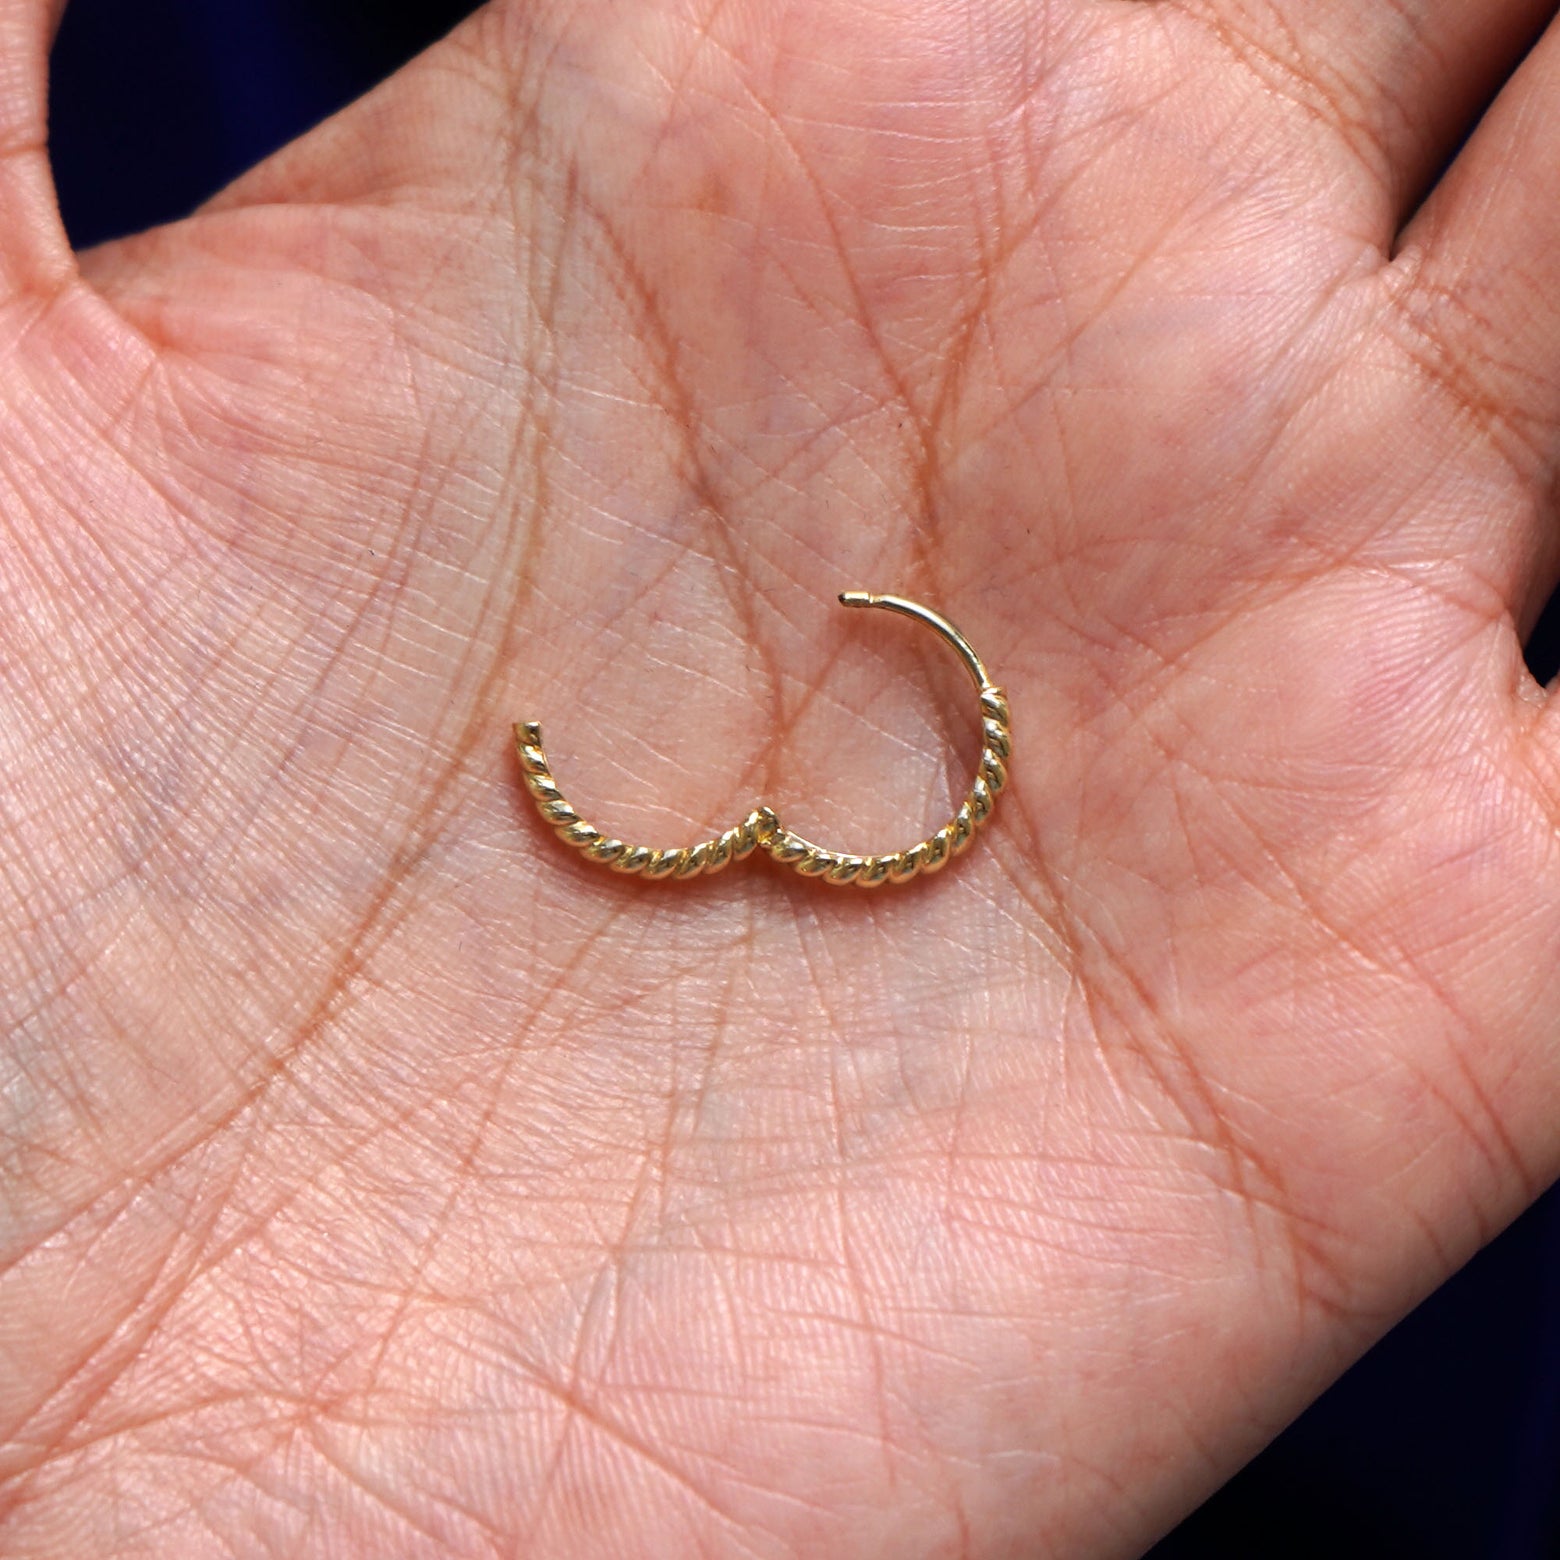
<point>1478,314</point>
<point>1394,85</point>
<point>35,255</point>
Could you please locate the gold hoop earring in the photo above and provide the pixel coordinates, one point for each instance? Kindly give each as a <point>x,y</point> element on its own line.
<point>762,829</point>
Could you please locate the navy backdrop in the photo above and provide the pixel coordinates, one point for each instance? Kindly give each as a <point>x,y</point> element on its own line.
<point>1444,1443</point>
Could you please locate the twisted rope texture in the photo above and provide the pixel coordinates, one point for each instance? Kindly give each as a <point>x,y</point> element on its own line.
<point>933,853</point>
<point>707,857</point>
<point>762,829</point>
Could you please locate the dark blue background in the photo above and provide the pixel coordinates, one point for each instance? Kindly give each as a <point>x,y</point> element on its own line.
<point>1444,1443</point>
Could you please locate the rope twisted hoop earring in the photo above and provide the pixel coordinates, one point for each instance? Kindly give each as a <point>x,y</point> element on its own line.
<point>762,829</point>
<point>955,836</point>
<point>708,856</point>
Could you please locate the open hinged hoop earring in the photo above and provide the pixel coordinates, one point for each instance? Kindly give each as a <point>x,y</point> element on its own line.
<point>762,829</point>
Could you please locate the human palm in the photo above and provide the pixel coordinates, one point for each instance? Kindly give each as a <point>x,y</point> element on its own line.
<point>382,1179</point>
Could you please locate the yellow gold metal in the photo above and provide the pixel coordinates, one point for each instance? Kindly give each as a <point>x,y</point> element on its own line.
<point>709,856</point>
<point>762,829</point>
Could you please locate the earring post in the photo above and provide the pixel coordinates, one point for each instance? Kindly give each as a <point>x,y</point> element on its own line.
<point>933,620</point>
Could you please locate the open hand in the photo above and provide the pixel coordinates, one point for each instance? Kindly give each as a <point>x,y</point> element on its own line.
<point>380,1179</point>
